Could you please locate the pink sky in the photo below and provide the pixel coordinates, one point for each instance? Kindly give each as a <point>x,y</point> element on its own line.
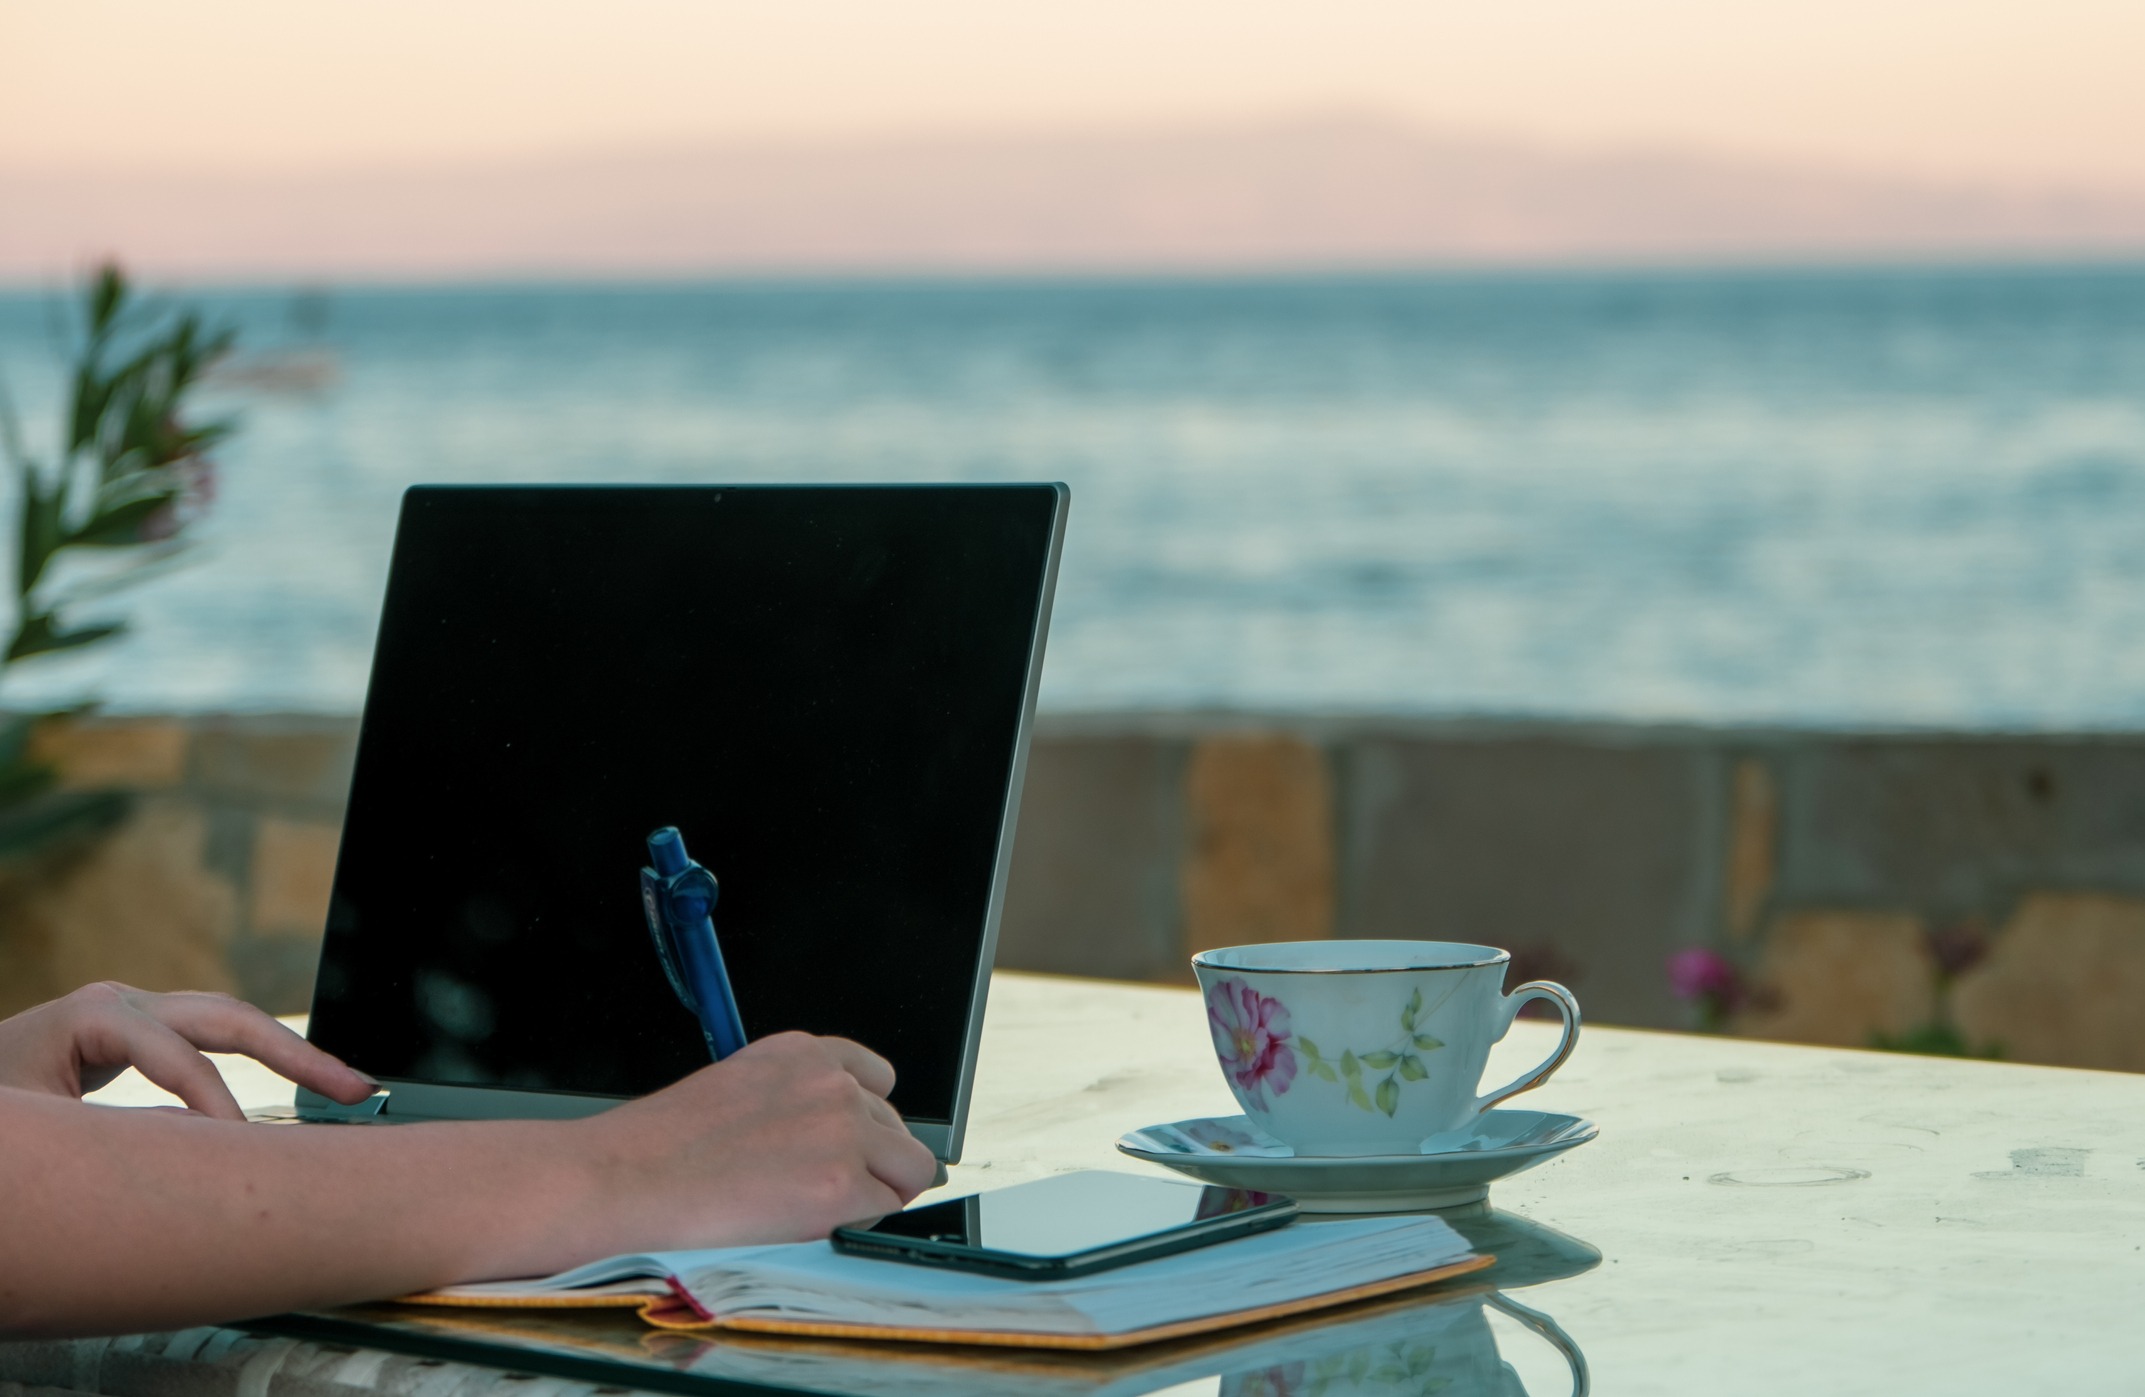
<point>2018,93</point>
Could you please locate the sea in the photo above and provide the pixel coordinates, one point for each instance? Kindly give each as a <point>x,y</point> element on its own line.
<point>1840,498</point>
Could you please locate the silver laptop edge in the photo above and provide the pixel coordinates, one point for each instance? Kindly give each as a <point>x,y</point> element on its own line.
<point>945,1140</point>
<point>419,1101</point>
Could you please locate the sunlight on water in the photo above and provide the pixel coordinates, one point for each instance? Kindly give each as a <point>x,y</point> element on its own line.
<point>1824,499</point>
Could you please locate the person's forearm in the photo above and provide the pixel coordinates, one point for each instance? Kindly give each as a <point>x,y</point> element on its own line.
<point>126,1220</point>
<point>115,1220</point>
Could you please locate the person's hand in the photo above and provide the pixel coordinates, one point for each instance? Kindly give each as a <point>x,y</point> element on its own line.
<point>782,1141</point>
<point>73,1046</point>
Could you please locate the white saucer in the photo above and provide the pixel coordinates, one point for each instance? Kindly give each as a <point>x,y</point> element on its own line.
<point>1455,1168</point>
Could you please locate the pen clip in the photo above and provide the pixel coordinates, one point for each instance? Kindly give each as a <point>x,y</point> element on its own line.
<point>666,943</point>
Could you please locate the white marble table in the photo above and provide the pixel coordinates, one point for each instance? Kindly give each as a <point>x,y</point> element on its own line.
<point>1771,1219</point>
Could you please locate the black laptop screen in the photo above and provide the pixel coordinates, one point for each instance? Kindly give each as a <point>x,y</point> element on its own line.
<point>822,688</point>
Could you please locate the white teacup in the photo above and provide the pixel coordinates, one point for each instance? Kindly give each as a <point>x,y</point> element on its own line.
<point>1366,1047</point>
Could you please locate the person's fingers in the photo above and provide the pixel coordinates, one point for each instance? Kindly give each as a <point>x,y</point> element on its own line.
<point>873,1199</point>
<point>860,1062</point>
<point>175,1065</point>
<point>880,1110</point>
<point>900,1161</point>
<point>223,1025</point>
<point>91,1019</point>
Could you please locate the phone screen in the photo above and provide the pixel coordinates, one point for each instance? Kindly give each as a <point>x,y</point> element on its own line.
<point>1069,1214</point>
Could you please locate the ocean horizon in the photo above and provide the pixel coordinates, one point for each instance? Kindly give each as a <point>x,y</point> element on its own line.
<point>1872,496</point>
<point>50,294</point>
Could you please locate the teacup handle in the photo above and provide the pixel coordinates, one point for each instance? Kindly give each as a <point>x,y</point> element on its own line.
<point>1582,1381</point>
<point>1532,990</point>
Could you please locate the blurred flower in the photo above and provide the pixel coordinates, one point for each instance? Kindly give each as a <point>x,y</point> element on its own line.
<point>1699,971</point>
<point>162,524</point>
<point>1703,976</point>
<point>1956,947</point>
<point>1280,1380</point>
<point>195,477</point>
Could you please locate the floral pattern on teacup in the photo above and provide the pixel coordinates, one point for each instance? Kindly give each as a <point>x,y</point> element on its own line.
<point>1208,1135</point>
<point>1251,1036</point>
<point>1399,1059</point>
<point>1403,1369</point>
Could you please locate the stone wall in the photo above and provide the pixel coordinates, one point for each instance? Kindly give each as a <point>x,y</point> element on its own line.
<point>1988,890</point>
<point>217,878</point>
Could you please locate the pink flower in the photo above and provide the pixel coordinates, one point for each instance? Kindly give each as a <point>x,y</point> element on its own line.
<point>1957,948</point>
<point>1251,1036</point>
<point>160,523</point>
<point>198,473</point>
<point>1281,1380</point>
<point>1710,981</point>
<point>1699,973</point>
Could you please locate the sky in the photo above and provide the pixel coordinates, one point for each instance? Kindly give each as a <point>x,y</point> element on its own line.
<point>2024,93</point>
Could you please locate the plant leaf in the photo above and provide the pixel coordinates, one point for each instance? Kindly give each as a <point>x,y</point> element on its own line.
<point>1356,1096</point>
<point>1411,1067</point>
<point>1310,1049</point>
<point>1389,1096</point>
<point>1319,1067</point>
<point>1380,1060</point>
<point>107,293</point>
<point>92,397</point>
<point>28,824</point>
<point>1426,1043</point>
<point>40,531</point>
<point>37,636</point>
<point>15,732</point>
<point>1407,1015</point>
<point>23,780</point>
<point>1350,1068</point>
<point>118,527</point>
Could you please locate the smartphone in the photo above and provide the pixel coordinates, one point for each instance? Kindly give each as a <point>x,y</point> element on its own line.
<point>1067,1225</point>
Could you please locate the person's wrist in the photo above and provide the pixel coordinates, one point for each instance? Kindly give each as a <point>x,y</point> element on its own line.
<point>580,1193</point>
<point>546,1182</point>
<point>621,1167</point>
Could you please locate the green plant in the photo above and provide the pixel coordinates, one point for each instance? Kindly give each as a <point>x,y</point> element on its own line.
<point>1934,1039</point>
<point>1954,948</point>
<point>131,474</point>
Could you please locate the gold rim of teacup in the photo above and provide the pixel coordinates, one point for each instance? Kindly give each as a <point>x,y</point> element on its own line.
<point>1200,961</point>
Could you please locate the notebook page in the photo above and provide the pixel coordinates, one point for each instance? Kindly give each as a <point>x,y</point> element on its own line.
<point>812,1281</point>
<point>654,1267</point>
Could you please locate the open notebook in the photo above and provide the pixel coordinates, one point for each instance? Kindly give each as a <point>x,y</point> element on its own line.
<point>809,1288</point>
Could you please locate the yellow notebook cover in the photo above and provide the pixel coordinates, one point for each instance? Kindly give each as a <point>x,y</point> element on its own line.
<point>807,1289</point>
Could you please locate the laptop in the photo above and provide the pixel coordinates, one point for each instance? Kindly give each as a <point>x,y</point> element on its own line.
<point>828,690</point>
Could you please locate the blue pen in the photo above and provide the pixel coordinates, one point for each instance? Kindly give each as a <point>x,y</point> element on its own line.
<point>678,897</point>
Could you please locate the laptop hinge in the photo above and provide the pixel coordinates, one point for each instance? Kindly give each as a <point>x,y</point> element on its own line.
<point>312,1106</point>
